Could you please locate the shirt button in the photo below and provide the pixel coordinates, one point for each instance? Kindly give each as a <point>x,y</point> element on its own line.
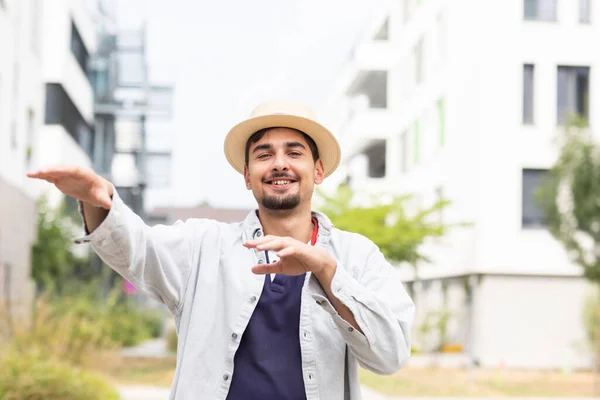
<point>252,299</point>
<point>234,336</point>
<point>225,377</point>
<point>350,329</point>
<point>258,233</point>
<point>261,262</point>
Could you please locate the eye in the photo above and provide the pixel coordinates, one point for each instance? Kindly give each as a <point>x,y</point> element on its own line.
<point>263,155</point>
<point>295,153</point>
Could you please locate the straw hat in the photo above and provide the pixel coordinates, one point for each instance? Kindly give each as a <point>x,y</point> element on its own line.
<point>282,114</point>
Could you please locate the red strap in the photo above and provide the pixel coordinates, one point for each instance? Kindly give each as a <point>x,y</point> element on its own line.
<point>313,240</point>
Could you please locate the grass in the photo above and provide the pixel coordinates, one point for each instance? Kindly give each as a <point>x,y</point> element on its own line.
<point>458,382</point>
<point>407,382</point>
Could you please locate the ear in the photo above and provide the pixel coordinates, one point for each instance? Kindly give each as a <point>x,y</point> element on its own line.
<point>247,177</point>
<point>319,172</point>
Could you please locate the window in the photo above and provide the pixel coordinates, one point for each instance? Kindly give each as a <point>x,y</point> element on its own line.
<point>384,31</point>
<point>572,97</point>
<point>416,137</point>
<point>404,152</point>
<point>540,10</point>
<point>441,110</point>
<point>532,214</point>
<point>376,159</point>
<point>418,60</point>
<point>78,48</point>
<point>584,11</point>
<point>60,110</point>
<point>528,71</point>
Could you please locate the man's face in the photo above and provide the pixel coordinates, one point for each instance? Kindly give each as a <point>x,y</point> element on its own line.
<point>281,171</point>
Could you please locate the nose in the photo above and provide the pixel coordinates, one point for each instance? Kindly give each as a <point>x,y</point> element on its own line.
<point>280,162</point>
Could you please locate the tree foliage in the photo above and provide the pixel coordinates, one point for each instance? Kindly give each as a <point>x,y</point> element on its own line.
<point>570,198</point>
<point>55,264</point>
<point>386,220</point>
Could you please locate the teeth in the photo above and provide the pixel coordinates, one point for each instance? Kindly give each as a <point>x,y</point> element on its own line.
<point>280,182</point>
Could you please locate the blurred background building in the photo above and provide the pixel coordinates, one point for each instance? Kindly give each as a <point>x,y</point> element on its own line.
<point>21,117</point>
<point>462,100</point>
<point>75,90</point>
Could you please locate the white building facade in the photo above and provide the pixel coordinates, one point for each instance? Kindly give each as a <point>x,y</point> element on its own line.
<point>462,100</point>
<point>21,116</point>
<point>67,137</point>
<point>46,118</point>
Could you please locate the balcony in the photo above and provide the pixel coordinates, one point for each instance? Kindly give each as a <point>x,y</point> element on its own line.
<point>365,124</point>
<point>374,55</point>
<point>372,85</point>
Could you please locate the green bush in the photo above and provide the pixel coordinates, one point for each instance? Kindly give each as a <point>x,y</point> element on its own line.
<point>127,325</point>
<point>73,328</point>
<point>33,378</point>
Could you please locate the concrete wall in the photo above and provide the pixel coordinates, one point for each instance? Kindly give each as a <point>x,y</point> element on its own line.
<point>523,322</point>
<point>531,322</point>
<point>17,235</point>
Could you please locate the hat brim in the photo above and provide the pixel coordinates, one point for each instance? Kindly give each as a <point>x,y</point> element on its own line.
<point>236,139</point>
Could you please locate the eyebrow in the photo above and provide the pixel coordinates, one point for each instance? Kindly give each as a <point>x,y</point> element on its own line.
<point>269,146</point>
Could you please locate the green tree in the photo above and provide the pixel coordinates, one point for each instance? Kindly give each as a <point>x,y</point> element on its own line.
<point>386,221</point>
<point>55,264</point>
<point>570,199</point>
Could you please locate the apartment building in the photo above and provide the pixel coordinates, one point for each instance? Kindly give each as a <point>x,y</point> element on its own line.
<point>462,100</point>
<point>21,116</point>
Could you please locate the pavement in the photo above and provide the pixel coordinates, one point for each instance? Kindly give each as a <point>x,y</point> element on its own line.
<point>150,348</point>
<point>158,348</point>
<point>161,393</point>
<point>155,393</point>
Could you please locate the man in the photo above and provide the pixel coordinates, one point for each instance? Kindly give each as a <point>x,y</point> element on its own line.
<point>280,306</point>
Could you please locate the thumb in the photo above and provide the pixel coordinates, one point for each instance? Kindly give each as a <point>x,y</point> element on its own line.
<point>105,201</point>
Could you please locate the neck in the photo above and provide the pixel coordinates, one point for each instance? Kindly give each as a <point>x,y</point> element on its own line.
<point>293,223</point>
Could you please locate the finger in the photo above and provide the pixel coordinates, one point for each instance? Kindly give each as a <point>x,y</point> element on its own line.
<point>52,172</point>
<point>287,252</point>
<point>262,240</point>
<point>263,269</point>
<point>275,245</point>
<point>105,201</point>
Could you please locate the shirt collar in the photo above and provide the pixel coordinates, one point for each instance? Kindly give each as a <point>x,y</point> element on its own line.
<point>253,228</point>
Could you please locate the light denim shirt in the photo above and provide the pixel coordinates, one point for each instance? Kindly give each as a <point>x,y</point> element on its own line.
<point>202,273</point>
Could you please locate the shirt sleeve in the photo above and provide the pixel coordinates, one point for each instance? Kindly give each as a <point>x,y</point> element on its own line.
<point>157,260</point>
<point>382,309</point>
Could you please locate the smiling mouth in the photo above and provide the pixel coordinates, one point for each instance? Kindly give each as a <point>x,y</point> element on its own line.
<point>280,183</point>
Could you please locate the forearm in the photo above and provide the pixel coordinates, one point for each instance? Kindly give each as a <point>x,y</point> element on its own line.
<point>325,277</point>
<point>94,216</point>
<point>374,315</point>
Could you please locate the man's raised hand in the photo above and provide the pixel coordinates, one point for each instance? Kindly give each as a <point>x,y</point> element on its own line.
<point>80,183</point>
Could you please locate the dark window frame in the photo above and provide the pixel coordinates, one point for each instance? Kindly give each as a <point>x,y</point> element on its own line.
<point>60,110</point>
<point>577,102</point>
<point>532,216</point>
<point>78,49</point>
<point>528,94</point>
<point>536,15</point>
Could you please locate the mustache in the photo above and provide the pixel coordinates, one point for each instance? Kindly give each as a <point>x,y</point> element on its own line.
<point>278,176</point>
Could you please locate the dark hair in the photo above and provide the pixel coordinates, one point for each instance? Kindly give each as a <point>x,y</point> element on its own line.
<point>259,135</point>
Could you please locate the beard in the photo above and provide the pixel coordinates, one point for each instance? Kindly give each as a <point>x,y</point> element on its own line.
<point>284,202</point>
